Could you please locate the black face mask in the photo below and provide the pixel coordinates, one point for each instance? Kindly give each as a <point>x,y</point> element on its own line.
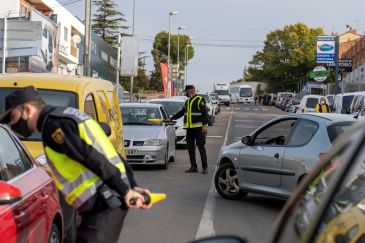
<point>21,127</point>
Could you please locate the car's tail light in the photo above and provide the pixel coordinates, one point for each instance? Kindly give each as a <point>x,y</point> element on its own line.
<point>322,155</point>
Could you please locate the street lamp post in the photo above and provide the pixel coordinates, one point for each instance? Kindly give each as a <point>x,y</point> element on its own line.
<point>186,64</point>
<point>178,44</point>
<point>168,57</point>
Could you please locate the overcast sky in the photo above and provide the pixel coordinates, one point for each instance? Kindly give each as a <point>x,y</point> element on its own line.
<point>230,22</point>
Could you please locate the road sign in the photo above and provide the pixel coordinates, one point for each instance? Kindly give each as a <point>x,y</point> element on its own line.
<point>319,74</point>
<point>326,49</point>
<point>344,66</point>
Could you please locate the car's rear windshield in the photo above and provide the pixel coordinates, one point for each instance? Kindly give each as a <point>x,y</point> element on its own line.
<point>139,116</point>
<point>312,102</point>
<point>346,101</point>
<point>337,129</point>
<point>51,97</point>
<point>171,107</point>
<point>221,92</point>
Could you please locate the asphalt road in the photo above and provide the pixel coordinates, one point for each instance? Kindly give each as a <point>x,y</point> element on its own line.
<point>193,209</point>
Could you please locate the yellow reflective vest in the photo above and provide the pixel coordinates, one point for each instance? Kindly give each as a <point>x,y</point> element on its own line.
<point>76,182</point>
<point>193,116</point>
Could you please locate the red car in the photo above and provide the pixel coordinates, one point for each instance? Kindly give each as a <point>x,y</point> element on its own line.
<point>30,209</point>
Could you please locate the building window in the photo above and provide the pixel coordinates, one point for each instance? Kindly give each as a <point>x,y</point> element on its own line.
<point>65,34</point>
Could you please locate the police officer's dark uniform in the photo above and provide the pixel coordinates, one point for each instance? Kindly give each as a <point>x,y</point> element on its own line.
<point>195,117</point>
<point>85,167</point>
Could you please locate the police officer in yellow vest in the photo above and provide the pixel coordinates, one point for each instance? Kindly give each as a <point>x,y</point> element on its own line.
<point>83,163</point>
<point>196,125</point>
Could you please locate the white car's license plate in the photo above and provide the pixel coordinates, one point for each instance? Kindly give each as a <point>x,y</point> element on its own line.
<point>131,151</point>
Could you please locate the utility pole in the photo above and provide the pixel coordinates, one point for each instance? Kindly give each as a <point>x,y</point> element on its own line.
<point>337,81</point>
<point>87,39</point>
<point>118,67</point>
<point>5,40</point>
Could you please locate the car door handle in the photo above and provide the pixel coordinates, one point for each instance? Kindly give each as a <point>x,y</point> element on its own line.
<point>276,155</point>
<point>19,215</point>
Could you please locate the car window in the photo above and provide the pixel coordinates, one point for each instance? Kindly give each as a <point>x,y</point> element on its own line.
<point>344,218</point>
<point>311,102</point>
<point>13,159</point>
<point>89,107</point>
<point>171,107</point>
<point>303,133</point>
<point>140,115</point>
<point>306,209</point>
<point>271,135</point>
<point>338,128</point>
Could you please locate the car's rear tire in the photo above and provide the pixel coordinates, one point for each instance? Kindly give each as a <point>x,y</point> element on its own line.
<point>54,235</point>
<point>226,182</point>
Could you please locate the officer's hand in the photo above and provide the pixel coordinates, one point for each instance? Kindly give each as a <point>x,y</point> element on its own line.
<point>205,130</point>
<point>143,190</point>
<point>137,197</point>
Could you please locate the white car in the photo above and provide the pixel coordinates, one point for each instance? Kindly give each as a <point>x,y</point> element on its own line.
<point>309,103</point>
<point>210,108</point>
<point>172,106</point>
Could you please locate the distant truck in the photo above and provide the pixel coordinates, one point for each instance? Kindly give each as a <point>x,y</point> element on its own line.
<point>222,90</point>
<point>245,94</point>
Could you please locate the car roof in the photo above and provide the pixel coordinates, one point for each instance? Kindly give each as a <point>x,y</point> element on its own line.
<point>330,117</point>
<point>52,81</point>
<point>168,99</point>
<point>152,105</point>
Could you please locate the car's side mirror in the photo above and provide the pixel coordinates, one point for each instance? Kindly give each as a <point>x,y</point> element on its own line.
<point>9,193</point>
<point>246,140</point>
<point>221,239</point>
<point>170,123</point>
<point>106,128</point>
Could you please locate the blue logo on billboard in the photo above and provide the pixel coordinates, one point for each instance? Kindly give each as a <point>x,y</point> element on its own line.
<point>326,47</point>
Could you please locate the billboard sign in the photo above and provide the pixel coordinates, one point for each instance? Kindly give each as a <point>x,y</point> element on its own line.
<point>46,59</point>
<point>326,49</point>
<point>129,56</point>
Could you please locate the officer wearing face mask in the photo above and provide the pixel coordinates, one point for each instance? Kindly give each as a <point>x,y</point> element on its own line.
<point>83,163</point>
<point>322,107</point>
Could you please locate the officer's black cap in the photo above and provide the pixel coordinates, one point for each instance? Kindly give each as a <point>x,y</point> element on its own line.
<point>189,86</point>
<point>18,97</point>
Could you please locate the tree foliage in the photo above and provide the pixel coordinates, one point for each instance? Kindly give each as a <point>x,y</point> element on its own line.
<point>107,21</point>
<point>160,55</point>
<point>288,55</point>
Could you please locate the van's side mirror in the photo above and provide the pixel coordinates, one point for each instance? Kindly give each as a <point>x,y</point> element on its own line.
<point>106,128</point>
<point>246,140</point>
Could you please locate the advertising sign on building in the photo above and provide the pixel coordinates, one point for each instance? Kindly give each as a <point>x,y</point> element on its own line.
<point>344,66</point>
<point>326,49</point>
<point>46,59</point>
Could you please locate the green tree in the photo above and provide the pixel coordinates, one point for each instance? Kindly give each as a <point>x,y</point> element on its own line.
<point>107,21</point>
<point>160,51</point>
<point>288,55</point>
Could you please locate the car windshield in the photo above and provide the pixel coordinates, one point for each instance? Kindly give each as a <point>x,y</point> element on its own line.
<point>51,97</point>
<point>205,97</point>
<point>312,102</point>
<point>172,107</point>
<point>149,116</point>
<point>222,92</point>
<point>245,92</point>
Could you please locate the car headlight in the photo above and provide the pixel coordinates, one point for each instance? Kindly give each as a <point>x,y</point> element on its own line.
<point>152,142</point>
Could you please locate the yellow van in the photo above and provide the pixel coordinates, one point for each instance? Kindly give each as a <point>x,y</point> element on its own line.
<point>95,97</point>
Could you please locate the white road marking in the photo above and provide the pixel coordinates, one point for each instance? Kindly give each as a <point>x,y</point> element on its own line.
<point>264,109</point>
<point>214,136</point>
<point>245,126</point>
<point>228,108</point>
<point>246,109</point>
<point>255,109</point>
<point>206,227</point>
<point>237,108</point>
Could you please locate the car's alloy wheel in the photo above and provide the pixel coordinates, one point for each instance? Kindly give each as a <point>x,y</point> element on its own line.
<point>54,236</point>
<point>226,182</point>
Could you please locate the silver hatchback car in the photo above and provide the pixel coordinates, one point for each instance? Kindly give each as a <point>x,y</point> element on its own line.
<point>147,138</point>
<point>275,157</point>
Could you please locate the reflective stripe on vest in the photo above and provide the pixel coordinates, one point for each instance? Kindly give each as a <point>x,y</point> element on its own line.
<point>75,181</point>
